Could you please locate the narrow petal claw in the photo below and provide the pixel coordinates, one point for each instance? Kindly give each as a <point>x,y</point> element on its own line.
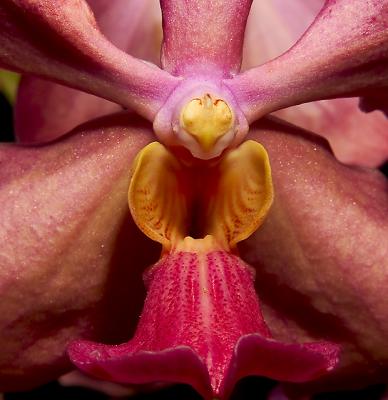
<point>59,40</point>
<point>344,53</point>
<point>45,110</point>
<point>202,37</point>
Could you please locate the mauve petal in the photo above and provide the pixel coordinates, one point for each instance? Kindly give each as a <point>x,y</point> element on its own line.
<point>344,53</point>
<point>356,137</point>
<point>71,257</point>
<point>274,26</point>
<point>59,40</point>
<point>324,248</point>
<point>46,110</point>
<point>134,26</point>
<point>203,37</point>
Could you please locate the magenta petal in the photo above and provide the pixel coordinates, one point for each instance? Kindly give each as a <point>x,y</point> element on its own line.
<point>45,110</point>
<point>120,364</point>
<point>344,53</point>
<point>203,37</point>
<point>59,40</point>
<point>202,325</point>
<point>290,362</point>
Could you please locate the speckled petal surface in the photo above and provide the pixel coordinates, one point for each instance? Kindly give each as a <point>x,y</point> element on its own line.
<point>201,325</point>
<point>59,40</point>
<point>71,258</point>
<point>356,137</point>
<point>202,37</point>
<point>324,248</point>
<point>45,110</point>
<point>344,53</point>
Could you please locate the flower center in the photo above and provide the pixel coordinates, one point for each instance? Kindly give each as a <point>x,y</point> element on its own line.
<point>201,117</point>
<point>207,119</point>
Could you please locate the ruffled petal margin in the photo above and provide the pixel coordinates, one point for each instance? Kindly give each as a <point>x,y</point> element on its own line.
<point>201,325</point>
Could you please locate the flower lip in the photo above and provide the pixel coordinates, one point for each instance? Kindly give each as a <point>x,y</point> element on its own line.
<point>201,323</point>
<point>167,198</point>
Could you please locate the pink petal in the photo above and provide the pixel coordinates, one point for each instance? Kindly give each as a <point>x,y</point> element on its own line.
<point>202,325</point>
<point>344,53</point>
<point>356,137</point>
<point>59,40</point>
<point>68,247</point>
<point>202,37</point>
<point>324,248</point>
<point>274,26</point>
<point>133,26</point>
<point>45,110</point>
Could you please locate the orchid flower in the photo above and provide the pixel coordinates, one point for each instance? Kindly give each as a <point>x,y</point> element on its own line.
<point>72,257</point>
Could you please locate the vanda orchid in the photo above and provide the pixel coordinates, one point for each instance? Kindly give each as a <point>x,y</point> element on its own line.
<point>271,264</point>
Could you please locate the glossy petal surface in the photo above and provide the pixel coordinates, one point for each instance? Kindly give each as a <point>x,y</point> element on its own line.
<point>45,110</point>
<point>202,37</point>
<point>70,253</point>
<point>59,40</point>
